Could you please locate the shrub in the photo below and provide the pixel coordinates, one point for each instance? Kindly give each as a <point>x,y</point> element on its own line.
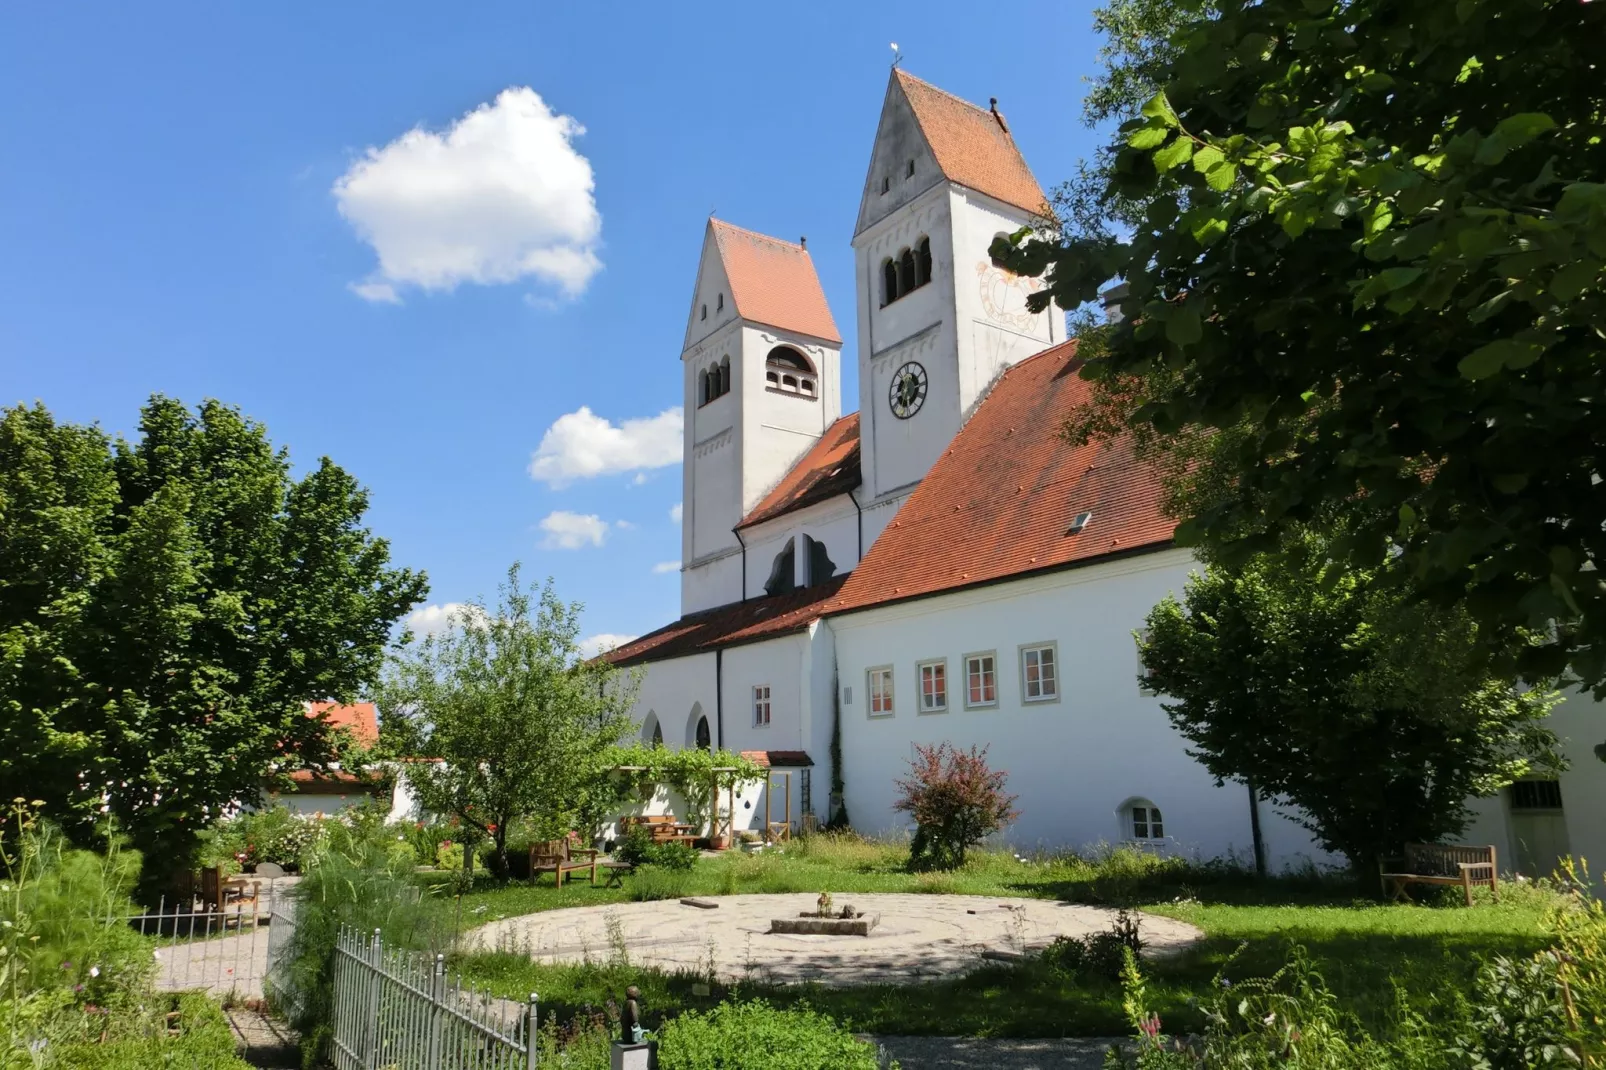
<point>1101,955</point>
<point>203,1041</point>
<point>956,802</point>
<point>735,1036</point>
<point>638,849</point>
<point>1517,1016</point>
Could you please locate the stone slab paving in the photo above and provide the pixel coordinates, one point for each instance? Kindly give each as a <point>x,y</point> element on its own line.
<point>919,937</point>
<point>968,1053</point>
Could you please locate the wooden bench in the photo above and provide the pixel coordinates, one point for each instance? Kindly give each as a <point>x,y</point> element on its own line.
<point>559,857</point>
<point>663,828</point>
<point>1438,863</point>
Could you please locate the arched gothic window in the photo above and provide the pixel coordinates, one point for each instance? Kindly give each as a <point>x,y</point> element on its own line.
<point>705,741</point>
<point>923,262</point>
<point>657,734</point>
<point>889,282</point>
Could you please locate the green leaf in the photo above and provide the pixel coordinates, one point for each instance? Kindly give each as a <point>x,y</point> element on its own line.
<point>1148,137</point>
<point>1211,229</point>
<point>1512,132</point>
<point>1221,177</point>
<point>1488,359</point>
<point>1175,154</point>
<point>1572,280</point>
<point>1206,158</point>
<point>1159,107</point>
<point>1510,483</point>
<point>1182,325</point>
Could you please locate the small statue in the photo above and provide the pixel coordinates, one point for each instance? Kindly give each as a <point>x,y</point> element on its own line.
<point>849,912</point>
<point>824,903</point>
<point>630,1031</point>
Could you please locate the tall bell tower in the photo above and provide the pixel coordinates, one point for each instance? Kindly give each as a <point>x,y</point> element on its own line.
<point>762,371</point>
<point>938,321</point>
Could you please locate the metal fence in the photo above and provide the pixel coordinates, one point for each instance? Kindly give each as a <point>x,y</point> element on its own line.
<point>223,952</point>
<point>398,1010</point>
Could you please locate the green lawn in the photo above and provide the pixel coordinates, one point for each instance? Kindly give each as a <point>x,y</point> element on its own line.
<point>1364,950</point>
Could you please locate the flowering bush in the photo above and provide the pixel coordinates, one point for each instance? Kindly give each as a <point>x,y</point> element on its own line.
<point>956,802</point>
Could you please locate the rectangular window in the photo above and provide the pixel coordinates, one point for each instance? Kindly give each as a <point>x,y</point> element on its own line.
<point>761,705</point>
<point>981,680</point>
<point>1536,795</point>
<point>1039,673</point>
<point>933,686</point>
<point>880,688</point>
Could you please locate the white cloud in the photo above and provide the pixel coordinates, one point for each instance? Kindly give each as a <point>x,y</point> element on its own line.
<point>592,645</point>
<point>581,445</point>
<point>571,531</point>
<point>666,566</point>
<point>435,619</point>
<point>498,196</point>
<point>675,512</point>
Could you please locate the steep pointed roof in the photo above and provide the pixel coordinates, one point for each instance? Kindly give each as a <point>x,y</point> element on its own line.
<point>829,468</point>
<point>773,282</point>
<point>972,145</point>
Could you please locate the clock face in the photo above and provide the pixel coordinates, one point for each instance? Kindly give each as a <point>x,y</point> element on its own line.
<point>908,391</point>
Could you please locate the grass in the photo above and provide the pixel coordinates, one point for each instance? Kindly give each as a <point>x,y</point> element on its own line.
<point>1365,951</point>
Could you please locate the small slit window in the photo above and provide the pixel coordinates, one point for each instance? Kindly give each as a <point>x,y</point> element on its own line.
<point>886,183</point>
<point>705,313</point>
<point>719,303</point>
<point>910,172</point>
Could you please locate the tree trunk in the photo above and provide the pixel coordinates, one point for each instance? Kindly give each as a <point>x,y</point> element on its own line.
<point>499,863</point>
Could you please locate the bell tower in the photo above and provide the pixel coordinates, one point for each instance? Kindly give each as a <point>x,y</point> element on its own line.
<point>938,321</point>
<point>761,370</point>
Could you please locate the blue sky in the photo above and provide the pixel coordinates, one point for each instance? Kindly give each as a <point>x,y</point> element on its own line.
<point>195,198</point>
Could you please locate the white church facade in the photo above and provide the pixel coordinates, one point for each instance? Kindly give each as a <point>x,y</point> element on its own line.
<point>939,565</point>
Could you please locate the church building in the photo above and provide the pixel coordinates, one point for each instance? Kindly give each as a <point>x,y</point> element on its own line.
<point>939,565</point>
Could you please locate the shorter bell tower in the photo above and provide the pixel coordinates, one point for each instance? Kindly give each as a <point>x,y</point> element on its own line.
<point>761,368</point>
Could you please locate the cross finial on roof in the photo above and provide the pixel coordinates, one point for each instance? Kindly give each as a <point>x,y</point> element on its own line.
<point>897,56</point>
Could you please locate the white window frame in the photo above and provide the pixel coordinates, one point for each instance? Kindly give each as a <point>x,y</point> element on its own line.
<point>985,704</point>
<point>761,705</point>
<point>1026,695</point>
<point>1153,822</point>
<point>920,679</point>
<point>872,698</point>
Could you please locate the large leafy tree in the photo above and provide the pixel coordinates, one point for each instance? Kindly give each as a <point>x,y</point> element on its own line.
<point>1372,713</point>
<point>521,727</point>
<point>1364,244</point>
<point>166,607</point>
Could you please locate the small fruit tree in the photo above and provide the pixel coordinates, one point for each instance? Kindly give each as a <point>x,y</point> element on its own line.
<point>956,800</point>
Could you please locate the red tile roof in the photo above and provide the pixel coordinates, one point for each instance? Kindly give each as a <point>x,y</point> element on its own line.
<point>998,504</point>
<point>831,467</point>
<point>361,718</point>
<point>973,146</point>
<point>1000,500</point>
<point>740,622</point>
<point>767,759</point>
<point>773,282</point>
<point>333,782</point>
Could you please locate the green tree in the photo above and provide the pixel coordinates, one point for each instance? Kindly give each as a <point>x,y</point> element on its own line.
<point>1372,713</point>
<point>1364,252</point>
<point>522,725</point>
<point>166,607</point>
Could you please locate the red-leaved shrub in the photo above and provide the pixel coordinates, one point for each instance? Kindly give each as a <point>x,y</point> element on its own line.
<point>956,802</point>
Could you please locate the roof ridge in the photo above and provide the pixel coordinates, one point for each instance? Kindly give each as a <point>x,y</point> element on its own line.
<point>759,234</point>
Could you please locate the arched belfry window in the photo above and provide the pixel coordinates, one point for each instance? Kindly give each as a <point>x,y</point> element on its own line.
<point>889,282</point>
<point>923,262</point>
<point>788,371</point>
<point>906,272</point>
<point>703,395</point>
<point>725,376</point>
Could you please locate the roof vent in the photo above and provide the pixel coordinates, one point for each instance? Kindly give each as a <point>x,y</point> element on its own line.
<point>1081,521</point>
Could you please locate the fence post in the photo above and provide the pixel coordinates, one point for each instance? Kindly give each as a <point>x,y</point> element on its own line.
<point>370,1056</point>
<point>437,993</point>
<point>532,1018</point>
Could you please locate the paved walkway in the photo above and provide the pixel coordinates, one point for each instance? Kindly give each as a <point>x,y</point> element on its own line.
<point>968,1053</point>
<point>919,937</point>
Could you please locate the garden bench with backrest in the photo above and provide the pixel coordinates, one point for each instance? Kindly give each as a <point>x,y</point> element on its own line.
<point>1440,863</point>
<point>663,828</point>
<point>559,857</point>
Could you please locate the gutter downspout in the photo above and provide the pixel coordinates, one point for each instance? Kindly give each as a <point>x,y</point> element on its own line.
<point>854,498</point>
<point>719,699</point>
<point>1254,830</point>
<point>738,533</point>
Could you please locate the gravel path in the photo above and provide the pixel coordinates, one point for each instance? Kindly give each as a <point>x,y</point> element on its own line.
<point>918,938</point>
<point>968,1053</point>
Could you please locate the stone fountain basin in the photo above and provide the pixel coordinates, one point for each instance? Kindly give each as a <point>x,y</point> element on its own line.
<point>812,925</point>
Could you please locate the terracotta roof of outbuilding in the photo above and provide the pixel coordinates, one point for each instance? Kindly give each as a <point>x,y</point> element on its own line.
<point>1000,500</point>
<point>739,622</point>
<point>973,145</point>
<point>361,718</point>
<point>768,759</point>
<point>829,468</point>
<point>773,282</point>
